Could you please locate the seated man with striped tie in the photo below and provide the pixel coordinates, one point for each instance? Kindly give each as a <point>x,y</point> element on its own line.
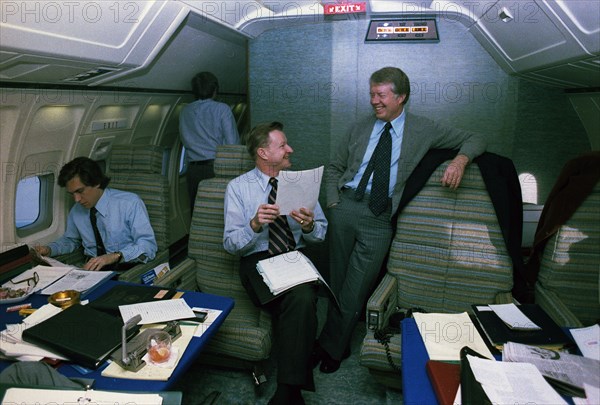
<point>255,230</point>
<point>112,225</point>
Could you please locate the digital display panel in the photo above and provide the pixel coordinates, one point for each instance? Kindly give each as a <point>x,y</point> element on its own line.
<point>423,29</point>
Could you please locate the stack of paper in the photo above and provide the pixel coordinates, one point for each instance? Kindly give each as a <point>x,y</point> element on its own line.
<point>287,270</point>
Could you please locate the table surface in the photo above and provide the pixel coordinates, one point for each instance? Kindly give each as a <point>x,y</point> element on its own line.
<point>193,299</point>
<point>416,387</point>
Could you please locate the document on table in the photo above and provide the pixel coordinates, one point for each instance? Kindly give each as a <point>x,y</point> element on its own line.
<point>445,335</point>
<point>157,311</point>
<point>44,396</point>
<point>298,189</point>
<point>512,316</point>
<point>78,280</point>
<point>513,383</point>
<point>46,275</point>
<point>588,341</point>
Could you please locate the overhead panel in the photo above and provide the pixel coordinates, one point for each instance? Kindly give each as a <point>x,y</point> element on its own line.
<point>100,34</point>
<point>524,37</point>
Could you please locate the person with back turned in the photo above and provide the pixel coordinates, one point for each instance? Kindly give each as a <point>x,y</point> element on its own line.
<point>112,225</point>
<point>364,183</point>
<point>203,125</point>
<point>256,230</point>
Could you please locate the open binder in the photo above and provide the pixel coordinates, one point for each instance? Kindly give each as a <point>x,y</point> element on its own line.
<point>84,335</point>
<point>498,333</point>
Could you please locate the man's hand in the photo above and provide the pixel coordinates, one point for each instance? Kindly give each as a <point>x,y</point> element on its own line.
<point>265,214</point>
<point>97,263</point>
<point>454,172</point>
<point>42,250</point>
<point>306,219</point>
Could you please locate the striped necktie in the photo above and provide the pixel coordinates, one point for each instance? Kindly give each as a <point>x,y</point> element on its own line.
<point>100,249</point>
<point>281,239</point>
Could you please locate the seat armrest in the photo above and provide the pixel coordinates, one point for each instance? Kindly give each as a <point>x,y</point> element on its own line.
<point>382,303</point>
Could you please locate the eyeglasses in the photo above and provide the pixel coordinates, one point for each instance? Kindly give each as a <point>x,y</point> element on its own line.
<point>35,279</point>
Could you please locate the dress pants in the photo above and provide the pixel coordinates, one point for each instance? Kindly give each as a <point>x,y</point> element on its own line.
<point>359,242</point>
<point>294,316</point>
<point>196,172</point>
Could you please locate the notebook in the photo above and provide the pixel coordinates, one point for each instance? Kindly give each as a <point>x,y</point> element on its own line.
<point>445,379</point>
<point>85,335</point>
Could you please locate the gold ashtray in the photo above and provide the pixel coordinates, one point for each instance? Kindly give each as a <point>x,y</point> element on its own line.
<point>64,299</point>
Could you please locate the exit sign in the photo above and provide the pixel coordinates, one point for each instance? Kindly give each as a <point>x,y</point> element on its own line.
<point>345,8</point>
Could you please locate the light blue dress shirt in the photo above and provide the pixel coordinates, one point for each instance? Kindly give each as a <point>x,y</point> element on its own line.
<point>244,194</point>
<point>397,133</point>
<point>204,125</point>
<point>123,223</point>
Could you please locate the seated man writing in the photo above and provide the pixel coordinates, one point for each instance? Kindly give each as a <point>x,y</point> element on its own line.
<point>112,225</point>
<point>256,230</point>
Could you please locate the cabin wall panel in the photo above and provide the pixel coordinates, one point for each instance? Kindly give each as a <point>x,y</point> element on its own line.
<point>455,81</point>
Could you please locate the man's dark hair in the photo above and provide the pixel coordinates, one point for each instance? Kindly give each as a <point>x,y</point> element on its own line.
<point>204,85</point>
<point>259,136</point>
<point>88,170</point>
<point>395,76</point>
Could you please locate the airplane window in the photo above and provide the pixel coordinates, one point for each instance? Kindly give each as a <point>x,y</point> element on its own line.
<point>27,210</point>
<point>30,203</point>
<point>529,188</point>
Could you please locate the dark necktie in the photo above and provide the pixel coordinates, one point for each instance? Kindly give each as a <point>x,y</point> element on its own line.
<point>379,165</point>
<point>100,250</point>
<point>281,239</point>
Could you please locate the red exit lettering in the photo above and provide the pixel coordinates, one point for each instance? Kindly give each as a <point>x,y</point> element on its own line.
<point>345,8</point>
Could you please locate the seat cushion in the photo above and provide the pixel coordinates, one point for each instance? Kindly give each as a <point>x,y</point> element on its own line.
<point>449,252</point>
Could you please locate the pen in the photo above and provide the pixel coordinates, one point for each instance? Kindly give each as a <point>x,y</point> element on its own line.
<point>16,308</point>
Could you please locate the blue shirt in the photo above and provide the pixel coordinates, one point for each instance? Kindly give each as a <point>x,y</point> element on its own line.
<point>123,223</point>
<point>243,196</point>
<point>397,132</point>
<point>205,124</point>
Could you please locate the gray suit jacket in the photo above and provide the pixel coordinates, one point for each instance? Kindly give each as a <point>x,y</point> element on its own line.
<point>420,135</point>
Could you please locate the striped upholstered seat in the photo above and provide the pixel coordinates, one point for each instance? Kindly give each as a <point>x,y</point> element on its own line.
<point>246,333</point>
<point>448,253</point>
<point>567,284</point>
<point>138,169</point>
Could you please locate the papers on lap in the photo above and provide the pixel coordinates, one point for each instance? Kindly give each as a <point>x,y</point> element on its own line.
<point>287,270</point>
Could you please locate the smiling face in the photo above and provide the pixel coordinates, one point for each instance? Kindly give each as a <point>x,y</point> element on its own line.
<point>87,196</point>
<point>386,104</point>
<point>276,155</point>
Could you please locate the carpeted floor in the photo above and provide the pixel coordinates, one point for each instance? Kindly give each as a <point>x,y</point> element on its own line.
<point>351,384</point>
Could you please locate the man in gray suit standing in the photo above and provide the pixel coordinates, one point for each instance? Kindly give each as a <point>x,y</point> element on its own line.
<point>365,180</point>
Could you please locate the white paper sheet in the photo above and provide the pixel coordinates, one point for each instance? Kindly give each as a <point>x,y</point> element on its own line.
<point>298,189</point>
<point>47,275</point>
<point>512,316</point>
<point>445,335</point>
<point>157,311</point>
<point>588,341</point>
<point>78,280</point>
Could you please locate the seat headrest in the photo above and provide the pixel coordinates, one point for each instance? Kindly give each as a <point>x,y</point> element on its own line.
<point>232,160</point>
<point>136,158</point>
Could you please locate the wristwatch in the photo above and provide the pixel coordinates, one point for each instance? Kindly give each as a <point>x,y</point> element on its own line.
<point>120,255</point>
